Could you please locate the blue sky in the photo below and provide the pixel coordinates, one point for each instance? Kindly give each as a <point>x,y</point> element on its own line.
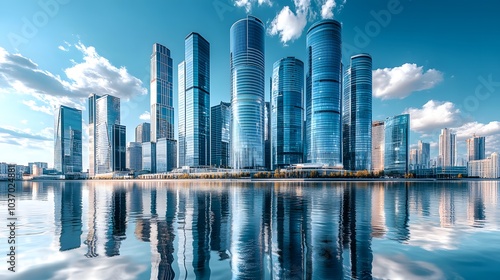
<point>438,60</point>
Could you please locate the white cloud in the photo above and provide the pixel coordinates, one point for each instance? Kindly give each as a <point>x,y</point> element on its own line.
<point>289,25</point>
<point>62,48</point>
<point>433,116</point>
<point>24,121</point>
<point>467,130</point>
<point>247,4</point>
<point>146,116</point>
<point>327,9</point>
<point>20,75</point>
<point>400,82</point>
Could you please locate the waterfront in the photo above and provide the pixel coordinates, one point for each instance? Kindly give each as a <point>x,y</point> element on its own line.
<point>255,230</point>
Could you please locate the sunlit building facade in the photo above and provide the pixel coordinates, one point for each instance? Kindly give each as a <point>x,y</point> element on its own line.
<point>149,157</point>
<point>476,148</point>
<point>166,155</point>
<point>378,146</point>
<point>485,168</point>
<point>397,134</point>
<point>134,156</point>
<point>323,94</point>
<point>68,140</point>
<point>357,114</point>
<point>287,112</point>
<point>143,132</point>
<point>220,135</point>
<point>447,148</point>
<point>247,93</point>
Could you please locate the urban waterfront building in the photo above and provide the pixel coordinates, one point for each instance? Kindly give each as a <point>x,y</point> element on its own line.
<point>162,104</point>
<point>143,133</point>
<point>485,168</point>
<point>37,165</point>
<point>397,134</point>
<point>476,148</point>
<point>378,146</point>
<point>423,155</point>
<point>413,159</point>
<point>357,114</point>
<point>287,112</point>
<point>247,93</point>
<point>107,151</point>
<point>134,156</point>
<point>166,155</point>
<point>68,140</point>
<point>194,103</point>
<point>267,132</point>
<point>149,157</point>
<point>220,135</point>
<point>323,94</point>
<point>447,148</point>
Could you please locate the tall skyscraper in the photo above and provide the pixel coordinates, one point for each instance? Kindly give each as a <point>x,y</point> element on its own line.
<point>357,114</point>
<point>378,146</point>
<point>149,157</point>
<point>476,148</point>
<point>162,109</point>
<point>413,159</point>
<point>247,93</point>
<point>423,154</point>
<point>220,135</point>
<point>287,112</point>
<point>194,102</point>
<point>107,148</point>
<point>267,134</point>
<point>134,156</point>
<point>166,155</point>
<point>397,134</point>
<point>143,133</point>
<point>447,148</point>
<point>68,140</point>
<point>323,94</point>
<point>92,132</point>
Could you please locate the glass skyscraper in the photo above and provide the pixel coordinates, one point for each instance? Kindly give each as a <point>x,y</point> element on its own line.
<point>220,135</point>
<point>357,114</point>
<point>247,93</point>
<point>194,103</point>
<point>323,94</point>
<point>396,153</point>
<point>162,105</point>
<point>423,154</point>
<point>378,146</point>
<point>476,148</point>
<point>92,132</point>
<point>447,148</point>
<point>166,155</point>
<point>68,140</point>
<point>287,112</point>
<point>143,133</point>
<point>134,156</point>
<point>149,157</point>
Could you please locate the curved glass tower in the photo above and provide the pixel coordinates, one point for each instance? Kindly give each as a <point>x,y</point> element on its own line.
<point>247,93</point>
<point>357,113</point>
<point>323,94</point>
<point>397,133</point>
<point>287,112</point>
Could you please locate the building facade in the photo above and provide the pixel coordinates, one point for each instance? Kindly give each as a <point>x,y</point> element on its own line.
<point>134,156</point>
<point>91,105</point>
<point>378,146</point>
<point>323,94</point>
<point>287,112</point>
<point>194,103</point>
<point>267,133</point>
<point>485,168</point>
<point>397,133</point>
<point>447,148</point>
<point>476,148</point>
<point>149,157</point>
<point>423,155</point>
<point>220,135</point>
<point>166,155</point>
<point>68,140</point>
<point>357,114</point>
<point>247,93</point>
<point>143,133</point>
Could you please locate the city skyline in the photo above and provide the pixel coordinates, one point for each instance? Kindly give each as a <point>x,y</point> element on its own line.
<point>35,83</point>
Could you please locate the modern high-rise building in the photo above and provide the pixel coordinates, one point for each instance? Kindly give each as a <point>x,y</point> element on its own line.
<point>162,105</point>
<point>413,159</point>
<point>68,140</point>
<point>287,112</point>
<point>378,146</point>
<point>220,142</point>
<point>194,102</point>
<point>166,155</point>
<point>107,151</point>
<point>476,148</point>
<point>447,148</point>
<point>149,157</point>
<point>323,94</point>
<point>134,156</point>
<point>397,134</point>
<point>357,114</point>
<point>36,165</point>
<point>247,93</point>
<point>485,168</point>
<point>423,154</point>
<point>143,133</point>
<point>267,134</point>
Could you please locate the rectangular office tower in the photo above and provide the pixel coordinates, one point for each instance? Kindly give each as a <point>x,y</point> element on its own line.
<point>396,153</point>
<point>134,156</point>
<point>220,135</point>
<point>68,140</point>
<point>107,138</point>
<point>162,106</point>
<point>143,133</point>
<point>149,157</point>
<point>423,155</point>
<point>194,103</point>
<point>378,146</point>
<point>476,148</point>
<point>166,155</point>
<point>447,148</point>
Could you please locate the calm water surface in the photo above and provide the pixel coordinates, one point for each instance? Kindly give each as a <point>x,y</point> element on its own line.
<point>228,230</point>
